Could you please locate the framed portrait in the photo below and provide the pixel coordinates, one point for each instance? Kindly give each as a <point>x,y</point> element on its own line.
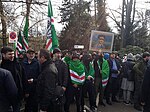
<point>101,41</point>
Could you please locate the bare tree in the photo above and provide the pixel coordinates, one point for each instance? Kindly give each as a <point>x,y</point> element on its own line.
<point>3,20</point>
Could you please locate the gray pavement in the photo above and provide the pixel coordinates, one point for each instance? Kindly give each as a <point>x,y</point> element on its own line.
<point>115,107</point>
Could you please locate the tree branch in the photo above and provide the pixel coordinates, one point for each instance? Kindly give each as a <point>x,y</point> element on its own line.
<point>35,2</point>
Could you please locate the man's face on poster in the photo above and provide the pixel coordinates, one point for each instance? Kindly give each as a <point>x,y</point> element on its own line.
<point>101,40</point>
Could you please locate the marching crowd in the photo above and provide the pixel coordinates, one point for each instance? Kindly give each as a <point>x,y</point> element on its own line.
<point>46,82</point>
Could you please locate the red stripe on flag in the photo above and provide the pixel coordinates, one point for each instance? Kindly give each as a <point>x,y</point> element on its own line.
<point>105,82</point>
<point>52,20</point>
<point>26,46</point>
<point>18,45</point>
<point>48,44</point>
<point>17,53</point>
<point>77,77</point>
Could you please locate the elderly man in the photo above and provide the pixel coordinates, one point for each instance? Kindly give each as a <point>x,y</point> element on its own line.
<point>32,71</point>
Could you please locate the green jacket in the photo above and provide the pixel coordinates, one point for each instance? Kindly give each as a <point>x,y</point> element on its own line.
<point>139,70</point>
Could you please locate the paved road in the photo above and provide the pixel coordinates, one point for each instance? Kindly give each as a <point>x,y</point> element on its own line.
<point>115,107</point>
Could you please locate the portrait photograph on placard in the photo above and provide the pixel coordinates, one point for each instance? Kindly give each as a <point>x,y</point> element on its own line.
<point>101,41</point>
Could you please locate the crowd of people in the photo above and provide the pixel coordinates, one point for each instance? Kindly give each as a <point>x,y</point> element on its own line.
<point>51,82</point>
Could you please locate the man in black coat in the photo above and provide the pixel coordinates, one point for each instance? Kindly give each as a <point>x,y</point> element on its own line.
<point>146,90</point>
<point>46,83</point>
<point>62,75</point>
<point>17,71</point>
<point>32,71</point>
<point>8,90</point>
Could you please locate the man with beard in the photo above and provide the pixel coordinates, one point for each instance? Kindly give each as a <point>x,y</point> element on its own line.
<point>32,71</point>
<point>139,70</point>
<point>62,75</point>
<point>17,71</point>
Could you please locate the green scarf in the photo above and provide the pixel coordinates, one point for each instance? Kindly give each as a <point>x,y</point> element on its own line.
<point>77,72</point>
<point>105,72</point>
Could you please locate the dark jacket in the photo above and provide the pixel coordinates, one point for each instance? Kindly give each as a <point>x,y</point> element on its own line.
<point>139,69</point>
<point>18,74</point>
<point>46,84</point>
<point>126,68</point>
<point>145,87</point>
<point>8,90</point>
<point>62,72</point>
<point>32,70</point>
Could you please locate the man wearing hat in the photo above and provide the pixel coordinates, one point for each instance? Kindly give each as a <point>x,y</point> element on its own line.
<point>75,82</point>
<point>139,70</point>
<point>32,70</point>
<point>62,75</point>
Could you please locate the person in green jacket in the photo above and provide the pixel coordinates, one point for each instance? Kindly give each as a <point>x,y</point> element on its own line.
<point>76,81</point>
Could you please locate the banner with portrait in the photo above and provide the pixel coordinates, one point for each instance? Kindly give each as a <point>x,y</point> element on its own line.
<point>101,41</point>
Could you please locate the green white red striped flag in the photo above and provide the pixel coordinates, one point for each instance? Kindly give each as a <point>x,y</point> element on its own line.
<point>19,42</point>
<point>25,36</point>
<point>77,72</point>
<point>52,40</point>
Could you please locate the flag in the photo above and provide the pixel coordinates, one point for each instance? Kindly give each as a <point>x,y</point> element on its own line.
<point>19,42</point>
<point>104,72</point>
<point>19,45</point>
<point>77,72</point>
<point>25,36</point>
<point>52,40</point>
<point>22,42</point>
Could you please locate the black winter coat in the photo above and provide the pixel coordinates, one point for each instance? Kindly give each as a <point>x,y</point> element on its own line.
<point>46,85</point>
<point>145,87</point>
<point>32,70</point>
<point>62,73</point>
<point>8,90</point>
<point>126,68</point>
<point>17,71</point>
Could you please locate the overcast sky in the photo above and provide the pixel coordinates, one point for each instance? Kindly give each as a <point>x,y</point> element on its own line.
<point>112,4</point>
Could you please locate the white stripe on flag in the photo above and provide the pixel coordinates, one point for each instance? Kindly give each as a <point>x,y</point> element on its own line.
<point>73,72</point>
<point>25,44</point>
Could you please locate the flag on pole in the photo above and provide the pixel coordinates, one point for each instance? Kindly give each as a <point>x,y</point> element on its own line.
<point>22,42</point>
<point>25,36</point>
<point>19,45</point>
<point>52,40</point>
<point>19,42</point>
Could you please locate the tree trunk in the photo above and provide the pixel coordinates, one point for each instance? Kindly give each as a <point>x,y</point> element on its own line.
<point>4,27</point>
